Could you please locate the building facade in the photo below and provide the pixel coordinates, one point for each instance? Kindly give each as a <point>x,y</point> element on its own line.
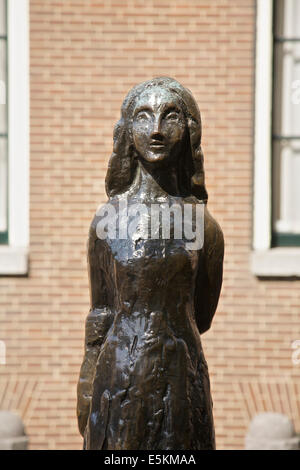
<point>66,66</point>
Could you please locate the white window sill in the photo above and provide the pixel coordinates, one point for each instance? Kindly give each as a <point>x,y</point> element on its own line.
<point>13,260</point>
<point>277,262</point>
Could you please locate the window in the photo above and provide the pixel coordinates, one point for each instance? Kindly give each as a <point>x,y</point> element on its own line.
<point>14,137</point>
<point>276,220</point>
<point>286,124</point>
<point>3,124</point>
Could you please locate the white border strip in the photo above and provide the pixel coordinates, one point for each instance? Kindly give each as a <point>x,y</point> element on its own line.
<point>18,128</point>
<point>263,126</point>
<point>279,262</point>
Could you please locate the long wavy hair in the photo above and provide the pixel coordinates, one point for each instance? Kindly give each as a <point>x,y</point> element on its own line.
<point>123,161</point>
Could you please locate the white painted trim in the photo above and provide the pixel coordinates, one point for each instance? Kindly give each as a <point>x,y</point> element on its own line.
<point>280,262</point>
<point>13,261</point>
<point>18,129</point>
<point>18,123</point>
<point>263,126</point>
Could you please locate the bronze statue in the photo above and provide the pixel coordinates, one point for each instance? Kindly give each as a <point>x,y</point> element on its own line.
<point>144,380</point>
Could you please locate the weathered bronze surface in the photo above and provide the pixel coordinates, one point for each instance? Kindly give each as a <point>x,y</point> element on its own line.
<point>144,380</point>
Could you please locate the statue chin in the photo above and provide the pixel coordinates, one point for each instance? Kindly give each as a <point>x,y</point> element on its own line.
<point>155,158</point>
<point>159,158</point>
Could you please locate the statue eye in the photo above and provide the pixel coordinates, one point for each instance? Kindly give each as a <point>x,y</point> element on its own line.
<point>172,115</point>
<point>142,116</point>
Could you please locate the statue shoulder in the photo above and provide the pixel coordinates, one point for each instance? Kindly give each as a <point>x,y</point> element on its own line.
<point>213,235</point>
<point>105,212</point>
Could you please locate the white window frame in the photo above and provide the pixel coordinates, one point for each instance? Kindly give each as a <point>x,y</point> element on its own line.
<point>266,261</point>
<point>14,256</point>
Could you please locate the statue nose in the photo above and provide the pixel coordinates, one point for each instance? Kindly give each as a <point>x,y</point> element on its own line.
<point>156,131</point>
<point>157,136</point>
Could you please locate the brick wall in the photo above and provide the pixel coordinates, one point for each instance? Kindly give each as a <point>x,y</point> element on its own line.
<point>85,55</point>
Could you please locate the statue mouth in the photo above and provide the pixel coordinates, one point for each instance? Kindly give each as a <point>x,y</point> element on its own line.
<point>157,145</point>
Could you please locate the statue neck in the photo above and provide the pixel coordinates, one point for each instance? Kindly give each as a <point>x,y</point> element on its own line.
<point>152,182</point>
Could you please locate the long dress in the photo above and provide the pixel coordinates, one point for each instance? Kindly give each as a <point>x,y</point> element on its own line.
<point>150,386</point>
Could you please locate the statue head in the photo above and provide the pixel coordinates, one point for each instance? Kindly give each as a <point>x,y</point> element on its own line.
<point>160,124</point>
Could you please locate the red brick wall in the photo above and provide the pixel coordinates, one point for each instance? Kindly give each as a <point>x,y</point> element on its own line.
<point>85,55</point>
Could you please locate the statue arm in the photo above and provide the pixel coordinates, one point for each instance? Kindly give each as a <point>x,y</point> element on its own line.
<point>210,273</point>
<point>97,325</point>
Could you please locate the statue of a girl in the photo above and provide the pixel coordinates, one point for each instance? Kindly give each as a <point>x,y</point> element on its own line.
<point>144,381</point>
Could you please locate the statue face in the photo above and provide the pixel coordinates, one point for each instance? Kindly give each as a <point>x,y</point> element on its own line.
<point>159,126</point>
